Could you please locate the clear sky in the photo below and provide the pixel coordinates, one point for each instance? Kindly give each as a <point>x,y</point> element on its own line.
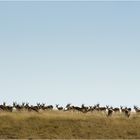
<point>70,52</point>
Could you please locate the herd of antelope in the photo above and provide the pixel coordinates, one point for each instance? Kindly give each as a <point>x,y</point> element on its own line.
<point>109,110</point>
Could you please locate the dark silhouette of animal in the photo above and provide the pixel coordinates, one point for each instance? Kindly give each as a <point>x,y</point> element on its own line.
<point>48,107</point>
<point>116,109</point>
<point>110,112</point>
<point>137,109</point>
<point>59,108</point>
<point>126,111</point>
<point>99,108</point>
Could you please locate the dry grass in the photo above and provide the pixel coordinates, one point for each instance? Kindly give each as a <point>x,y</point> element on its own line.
<point>68,125</point>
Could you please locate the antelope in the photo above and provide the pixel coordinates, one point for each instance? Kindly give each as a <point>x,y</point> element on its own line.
<point>110,112</point>
<point>6,108</point>
<point>17,106</point>
<point>2,108</point>
<point>84,109</point>
<point>49,107</point>
<point>129,109</point>
<point>98,108</point>
<point>91,108</point>
<point>122,109</point>
<point>116,109</point>
<point>68,107</point>
<point>31,108</point>
<point>137,109</point>
<point>126,111</point>
<point>77,108</point>
<point>59,108</point>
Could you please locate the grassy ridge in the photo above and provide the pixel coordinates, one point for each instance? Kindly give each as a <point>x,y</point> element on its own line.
<point>68,125</point>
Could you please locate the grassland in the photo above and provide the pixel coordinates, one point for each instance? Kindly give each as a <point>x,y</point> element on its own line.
<point>68,125</point>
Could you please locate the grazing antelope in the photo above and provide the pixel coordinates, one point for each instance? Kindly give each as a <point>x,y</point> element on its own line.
<point>49,107</point>
<point>98,108</point>
<point>4,107</point>
<point>17,106</point>
<point>76,108</point>
<point>84,109</point>
<point>31,108</point>
<point>59,108</point>
<point>116,109</point>
<point>126,111</point>
<point>109,111</point>
<point>129,109</point>
<point>122,109</point>
<point>137,109</point>
<point>91,108</point>
<point>69,107</point>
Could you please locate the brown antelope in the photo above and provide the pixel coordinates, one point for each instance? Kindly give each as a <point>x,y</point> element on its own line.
<point>98,108</point>
<point>122,109</point>
<point>91,108</point>
<point>59,108</point>
<point>2,108</point>
<point>31,108</point>
<point>110,111</point>
<point>84,109</point>
<point>137,109</point>
<point>126,111</point>
<point>48,107</point>
<point>69,107</point>
<point>5,107</point>
<point>116,109</point>
<point>17,106</point>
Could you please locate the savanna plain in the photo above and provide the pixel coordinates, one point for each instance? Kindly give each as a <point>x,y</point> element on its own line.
<point>68,125</point>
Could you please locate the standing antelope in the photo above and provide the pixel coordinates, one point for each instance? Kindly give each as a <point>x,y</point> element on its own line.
<point>59,108</point>
<point>116,109</point>
<point>137,109</point>
<point>110,111</point>
<point>126,111</point>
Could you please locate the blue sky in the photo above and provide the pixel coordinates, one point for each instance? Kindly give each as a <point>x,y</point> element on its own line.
<point>70,52</point>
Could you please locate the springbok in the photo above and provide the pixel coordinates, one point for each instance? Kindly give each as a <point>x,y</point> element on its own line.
<point>91,108</point>
<point>48,107</point>
<point>17,106</point>
<point>5,107</point>
<point>84,108</point>
<point>59,108</point>
<point>68,107</point>
<point>126,111</point>
<point>122,109</point>
<point>116,109</point>
<point>137,109</point>
<point>109,111</point>
<point>31,108</point>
